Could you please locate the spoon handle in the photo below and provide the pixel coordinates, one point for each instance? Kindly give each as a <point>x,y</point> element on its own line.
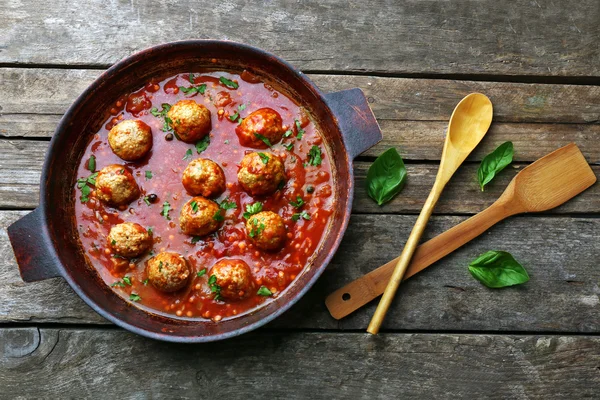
<point>404,259</point>
<point>361,291</point>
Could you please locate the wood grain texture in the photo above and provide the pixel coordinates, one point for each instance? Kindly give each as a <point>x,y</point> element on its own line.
<point>560,254</point>
<point>51,91</point>
<point>462,37</point>
<point>21,164</point>
<point>117,364</point>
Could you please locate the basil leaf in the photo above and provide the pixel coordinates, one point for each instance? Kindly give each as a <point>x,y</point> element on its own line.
<point>497,269</point>
<point>495,162</point>
<point>386,176</point>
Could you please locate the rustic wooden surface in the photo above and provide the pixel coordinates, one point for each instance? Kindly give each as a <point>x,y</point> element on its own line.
<point>446,336</point>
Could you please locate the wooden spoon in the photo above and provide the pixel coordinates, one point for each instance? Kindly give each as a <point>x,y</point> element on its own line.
<point>543,185</point>
<point>468,125</point>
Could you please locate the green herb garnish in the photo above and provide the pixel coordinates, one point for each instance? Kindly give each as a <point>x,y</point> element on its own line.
<point>91,165</point>
<point>214,288</point>
<point>227,205</point>
<point>188,154</point>
<point>229,83</point>
<point>148,174</point>
<point>118,283</point>
<point>191,78</point>
<point>495,162</point>
<point>194,206</point>
<point>289,146</point>
<point>303,214</point>
<point>127,280</point>
<point>218,216</point>
<point>264,139</point>
<point>315,156</point>
<point>288,133</point>
<point>147,201</point>
<point>386,176</point>
<point>252,209</point>
<point>263,291</point>
<point>195,239</point>
<point>299,130</point>
<point>165,210</point>
<point>201,272</point>
<point>134,297</point>
<point>202,144</point>
<point>165,107</point>
<point>193,89</point>
<point>264,158</point>
<point>298,203</point>
<point>497,269</point>
<point>84,184</point>
<point>257,228</point>
<point>145,281</point>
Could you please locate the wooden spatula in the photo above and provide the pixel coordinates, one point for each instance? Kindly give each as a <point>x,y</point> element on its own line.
<point>545,184</point>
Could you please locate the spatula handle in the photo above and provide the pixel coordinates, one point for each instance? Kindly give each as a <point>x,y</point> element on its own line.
<point>366,288</point>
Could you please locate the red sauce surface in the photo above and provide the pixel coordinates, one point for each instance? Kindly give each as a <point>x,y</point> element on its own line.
<point>274,270</point>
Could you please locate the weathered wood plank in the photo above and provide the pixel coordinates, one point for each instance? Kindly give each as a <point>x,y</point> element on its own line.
<point>416,140</point>
<point>51,91</point>
<point>461,37</point>
<point>107,364</point>
<point>21,162</point>
<point>560,254</point>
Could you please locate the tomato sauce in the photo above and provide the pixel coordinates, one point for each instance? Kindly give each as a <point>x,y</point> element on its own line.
<point>160,173</point>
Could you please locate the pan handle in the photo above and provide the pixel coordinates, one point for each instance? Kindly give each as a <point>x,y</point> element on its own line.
<point>28,237</point>
<point>355,119</point>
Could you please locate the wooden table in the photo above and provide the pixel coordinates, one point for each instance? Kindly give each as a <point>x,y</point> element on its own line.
<point>446,335</point>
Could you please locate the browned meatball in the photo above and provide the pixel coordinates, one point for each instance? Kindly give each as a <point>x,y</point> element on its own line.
<point>200,217</point>
<point>204,177</point>
<point>261,173</point>
<point>262,125</point>
<point>266,230</point>
<point>130,139</point>
<point>116,186</point>
<point>167,271</point>
<point>129,239</point>
<point>189,120</point>
<point>233,279</point>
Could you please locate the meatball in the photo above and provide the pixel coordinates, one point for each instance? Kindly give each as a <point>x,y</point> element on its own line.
<point>130,139</point>
<point>129,239</point>
<point>266,230</point>
<point>116,186</point>
<point>200,217</point>
<point>204,177</point>
<point>189,120</point>
<point>261,173</point>
<point>262,125</point>
<point>233,278</point>
<point>168,271</point>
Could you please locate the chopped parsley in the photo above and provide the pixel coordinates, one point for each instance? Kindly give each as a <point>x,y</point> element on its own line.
<point>145,281</point>
<point>202,144</point>
<point>91,165</point>
<point>194,206</point>
<point>242,107</point>
<point>229,83</point>
<point>264,139</point>
<point>298,203</point>
<point>165,210</point>
<point>113,242</point>
<point>257,228</point>
<point>168,125</point>
<point>163,112</point>
<point>288,133</point>
<point>148,174</point>
<point>118,283</point>
<point>315,156</point>
<point>193,89</point>
<point>252,209</point>
<point>147,201</point>
<point>134,297</point>
<point>264,158</point>
<point>150,231</point>
<point>299,130</point>
<point>188,154</point>
<point>214,288</point>
<point>191,78</point>
<point>227,205</point>
<point>298,216</point>
<point>202,272</point>
<point>289,146</point>
<point>195,239</point>
<point>127,280</point>
<point>234,117</point>
<point>218,216</point>
<point>85,185</point>
<point>226,141</point>
<point>263,291</point>
<point>160,265</point>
